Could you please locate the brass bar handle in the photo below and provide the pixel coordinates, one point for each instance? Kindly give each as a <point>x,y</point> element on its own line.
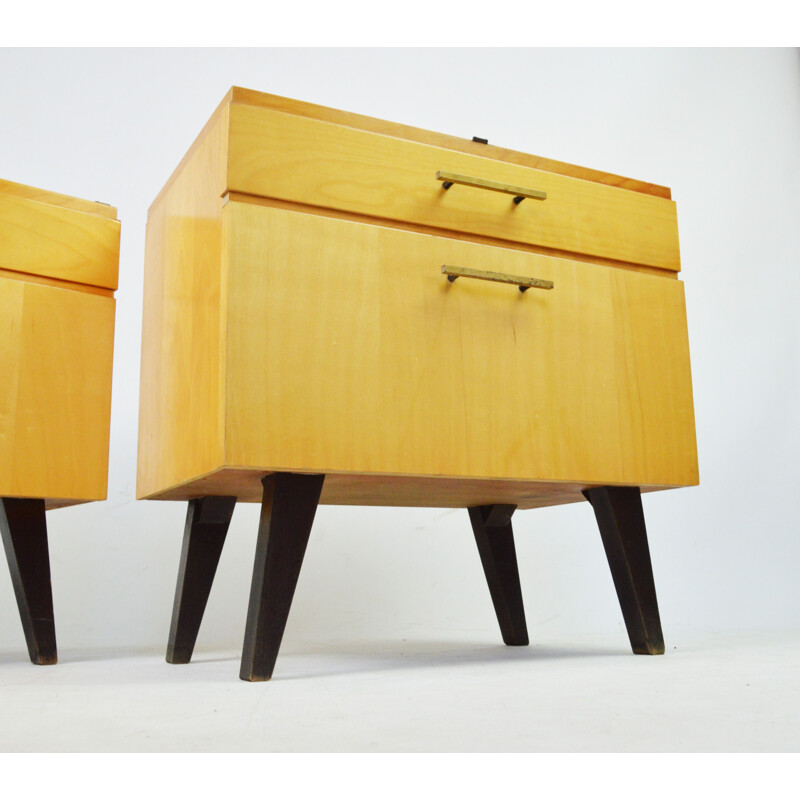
<point>498,277</point>
<point>519,192</point>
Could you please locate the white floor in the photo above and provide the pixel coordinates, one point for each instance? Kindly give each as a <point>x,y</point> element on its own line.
<point>714,693</point>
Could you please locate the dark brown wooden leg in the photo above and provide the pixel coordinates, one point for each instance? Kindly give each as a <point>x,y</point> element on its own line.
<point>24,529</point>
<point>287,514</point>
<point>207,521</point>
<point>621,521</point>
<point>495,538</point>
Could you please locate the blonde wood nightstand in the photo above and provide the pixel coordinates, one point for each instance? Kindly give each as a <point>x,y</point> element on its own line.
<point>339,309</point>
<point>59,259</point>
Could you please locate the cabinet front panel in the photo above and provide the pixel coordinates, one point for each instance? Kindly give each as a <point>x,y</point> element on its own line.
<point>294,158</point>
<point>349,350</point>
<point>55,393</point>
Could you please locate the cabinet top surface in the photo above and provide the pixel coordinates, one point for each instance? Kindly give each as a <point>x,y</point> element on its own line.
<point>56,199</point>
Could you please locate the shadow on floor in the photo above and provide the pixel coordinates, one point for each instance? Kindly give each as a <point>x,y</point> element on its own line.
<point>305,660</point>
<point>300,661</point>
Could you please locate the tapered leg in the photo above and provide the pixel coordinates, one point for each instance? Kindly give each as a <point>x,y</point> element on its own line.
<point>287,514</point>
<point>207,521</point>
<point>495,539</point>
<point>24,529</point>
<point>621,521</point>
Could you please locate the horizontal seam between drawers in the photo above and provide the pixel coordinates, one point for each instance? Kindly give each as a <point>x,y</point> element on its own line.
<point>56,283</point>
<point>446,233</point>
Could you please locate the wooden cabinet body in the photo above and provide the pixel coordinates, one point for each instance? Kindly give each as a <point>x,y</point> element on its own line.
<point>340,310</point>
<point>296,319</point>
<point>59,260</point>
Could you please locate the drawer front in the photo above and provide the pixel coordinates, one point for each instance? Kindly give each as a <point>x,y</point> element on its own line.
<point>349,350</point>
<point>57,242</point>
<point>279,155</point>
<point>55,359</point>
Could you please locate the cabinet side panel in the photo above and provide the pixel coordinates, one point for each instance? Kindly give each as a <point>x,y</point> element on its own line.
<point>56,399</point>
<point>180,431</point>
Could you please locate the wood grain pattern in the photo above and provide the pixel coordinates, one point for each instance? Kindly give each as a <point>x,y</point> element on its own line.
<point>264,100</point>
<point>58,242</point>
<point>299,159</point>
<point>55,396</point>
<point>588,383</point>
<point>181,432</point>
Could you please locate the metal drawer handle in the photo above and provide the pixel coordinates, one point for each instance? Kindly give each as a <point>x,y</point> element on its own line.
<point>519,192</point>
<point>499,277</point>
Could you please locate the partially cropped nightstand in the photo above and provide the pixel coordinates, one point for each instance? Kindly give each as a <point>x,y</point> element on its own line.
<point>339,309</point>
<point>59,260</point>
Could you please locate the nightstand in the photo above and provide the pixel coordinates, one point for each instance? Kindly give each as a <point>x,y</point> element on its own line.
<point>343,310</point>
<point>59,259</point>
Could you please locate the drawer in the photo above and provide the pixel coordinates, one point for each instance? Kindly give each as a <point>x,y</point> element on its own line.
<point>55,395</point>
<point>56,241</point>
<point>348,350</point>
<point>311,161</point>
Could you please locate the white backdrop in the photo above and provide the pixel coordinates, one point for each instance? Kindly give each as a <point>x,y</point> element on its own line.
<point>720,127</point>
